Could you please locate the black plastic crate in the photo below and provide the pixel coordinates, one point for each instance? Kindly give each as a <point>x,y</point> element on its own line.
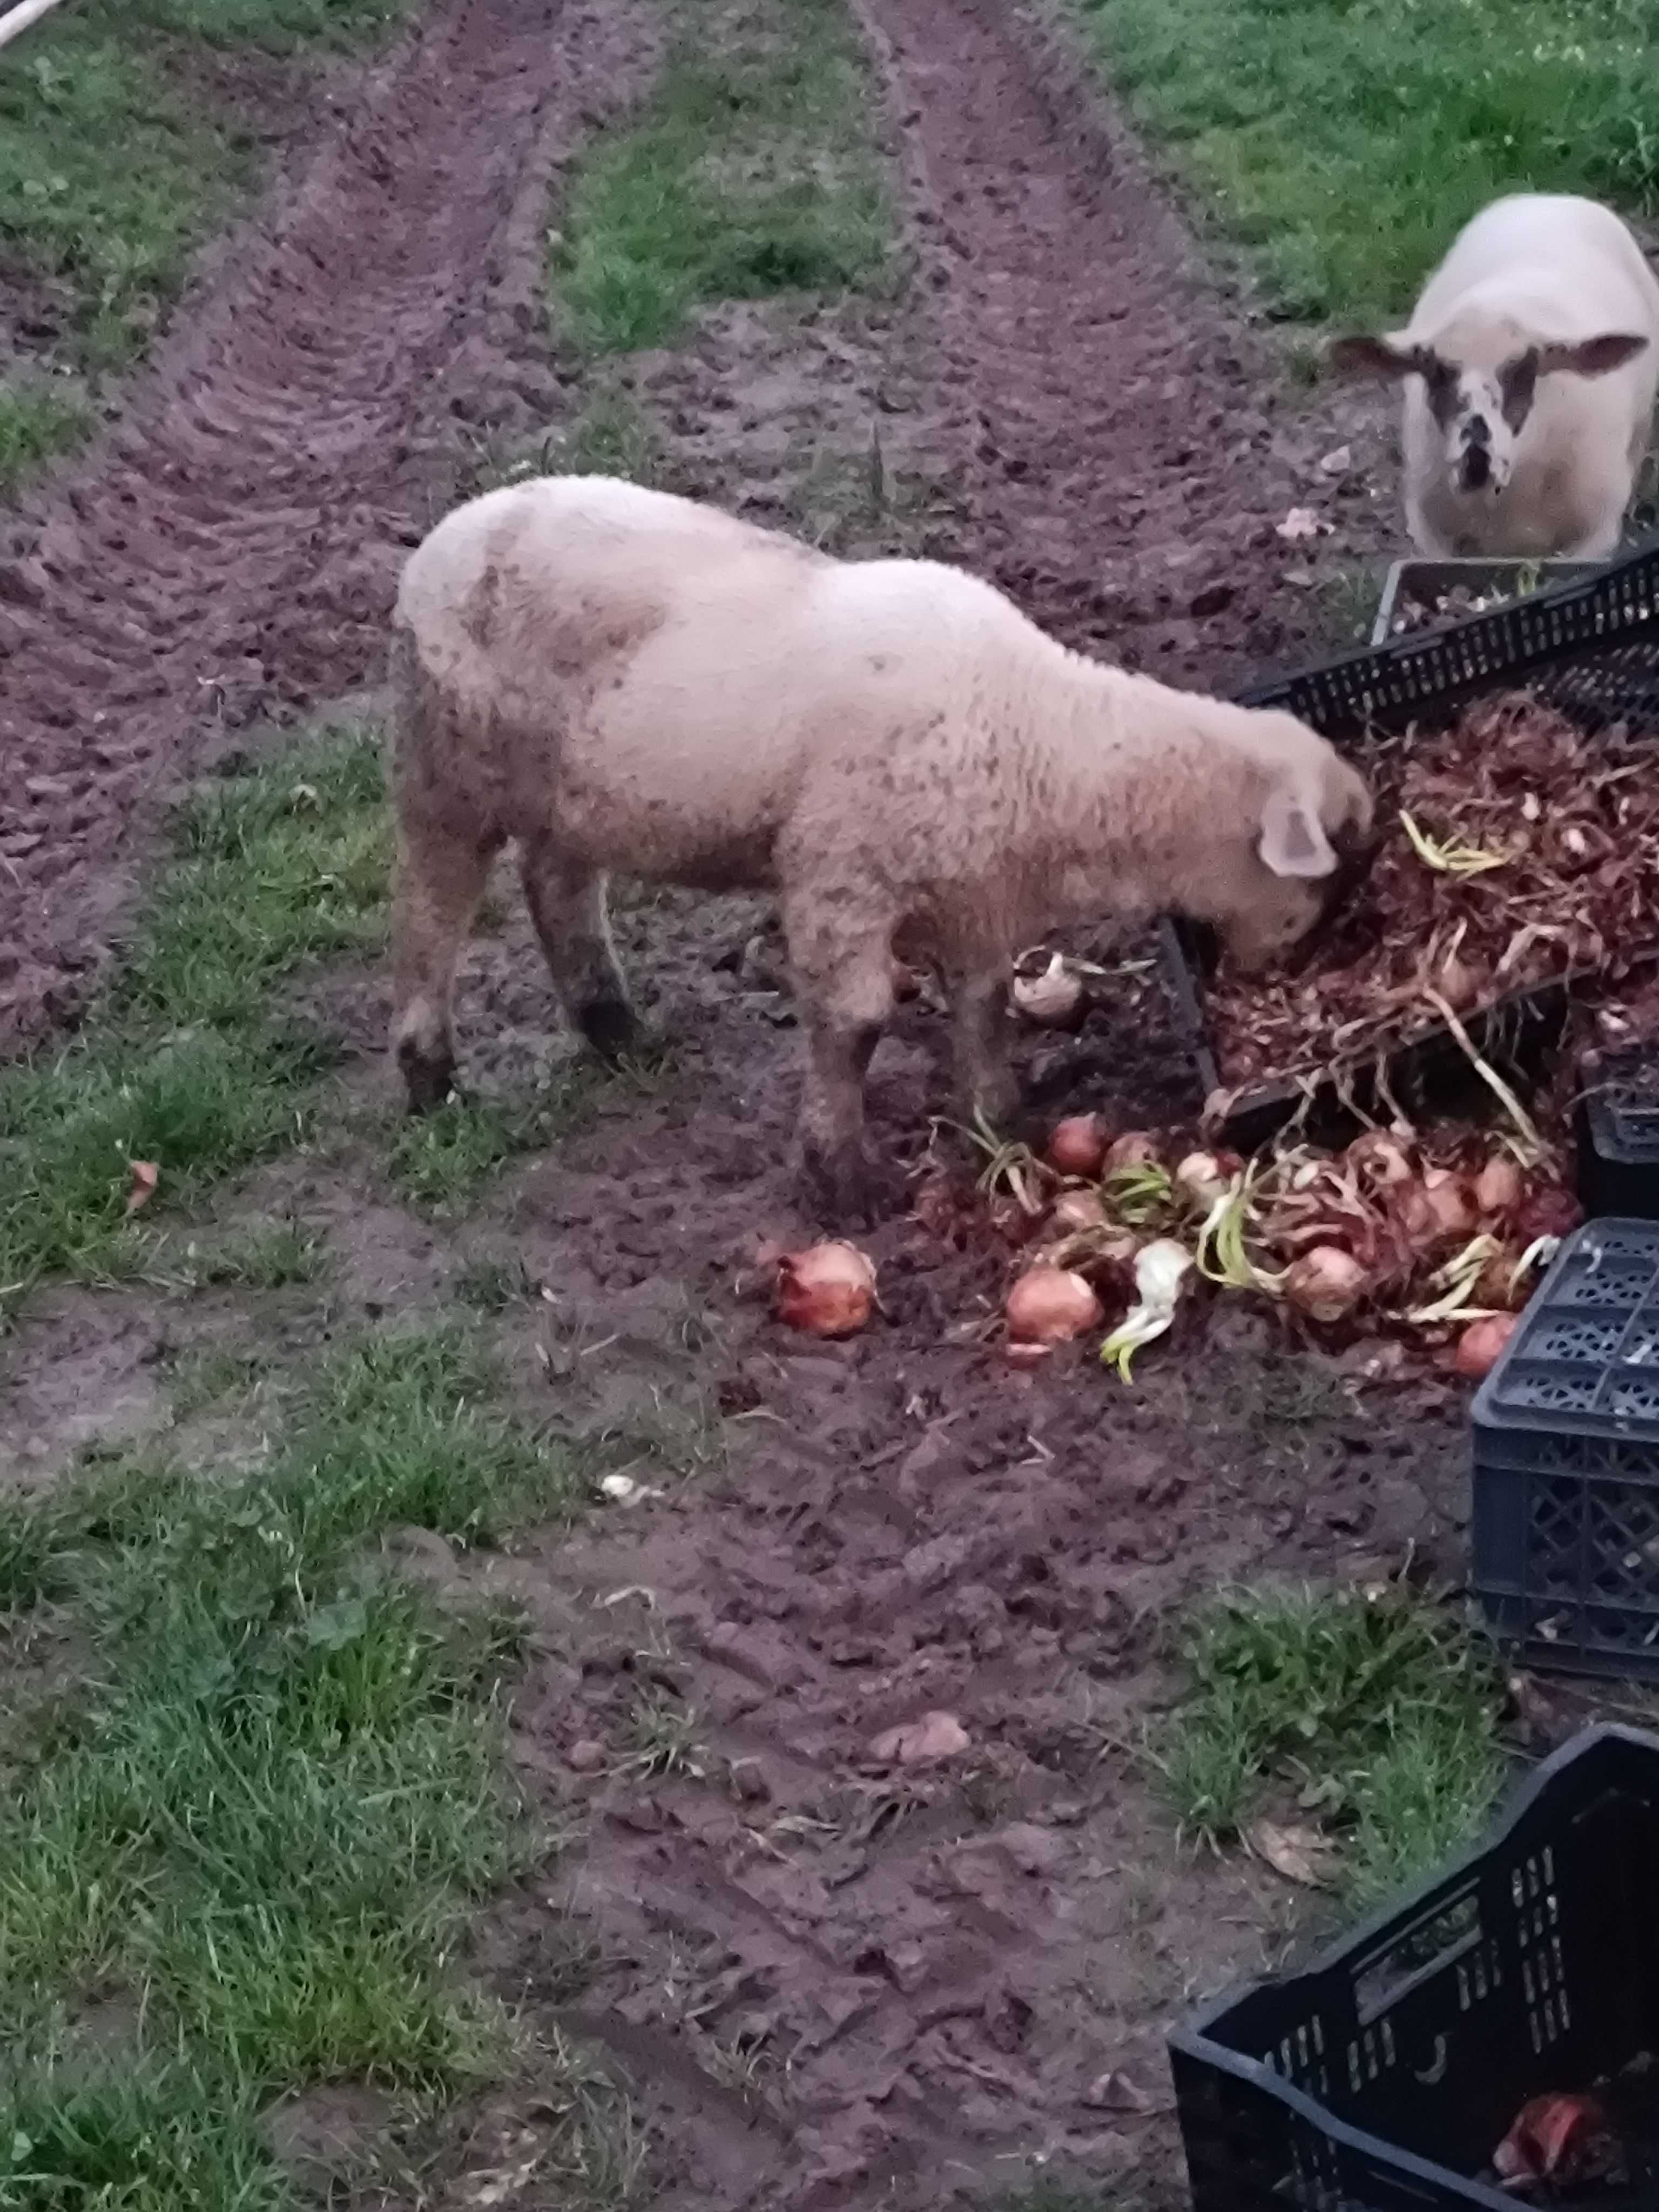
<point>1386,2075</point>
<point>1616,1123</point>
<point>1412,584</point>
<point>1591,648</point>
<point>1567,1462</point>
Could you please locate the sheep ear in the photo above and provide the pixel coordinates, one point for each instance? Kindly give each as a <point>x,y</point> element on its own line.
<point>1293,840</point>
<point>1366,355</point>
<point>1597,356</point>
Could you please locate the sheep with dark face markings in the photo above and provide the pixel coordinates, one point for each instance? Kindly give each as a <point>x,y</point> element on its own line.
<point>613,678</point>
<point>1530,364</point>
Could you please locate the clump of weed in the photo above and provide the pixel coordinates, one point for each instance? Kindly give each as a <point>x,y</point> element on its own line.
<point>1380,1713</point>
<point>493,1286</point>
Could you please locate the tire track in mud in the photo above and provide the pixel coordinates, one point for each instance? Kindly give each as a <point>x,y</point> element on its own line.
<point>231,549</point>
<point>1131,463</point>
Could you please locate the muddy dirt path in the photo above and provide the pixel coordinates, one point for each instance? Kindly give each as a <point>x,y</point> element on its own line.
<point>837,1980</point>
<point>231,549</point>
<point>1132,457</point>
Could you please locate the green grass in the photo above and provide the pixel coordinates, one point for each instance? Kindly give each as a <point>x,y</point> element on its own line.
<point>263,1818</point>
<point>37,422</point>
<point>188,1061</point>
<point>1344,141</point>
<point>128,74</point>
<point>152,2143</point>
<point>273,1256</point>
<point>443,1159</point>
<point>1380,1714</point>
<point>612,436</point>
<point>748,173</point>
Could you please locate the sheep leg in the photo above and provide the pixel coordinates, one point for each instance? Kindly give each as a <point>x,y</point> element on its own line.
<point>845,985</point>
<point>985,1076</point>
<point>567,903</point>
<point>440,880</point>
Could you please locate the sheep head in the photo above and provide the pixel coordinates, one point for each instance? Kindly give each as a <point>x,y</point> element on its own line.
<point>1480,383</point>
<point>1311,844</point>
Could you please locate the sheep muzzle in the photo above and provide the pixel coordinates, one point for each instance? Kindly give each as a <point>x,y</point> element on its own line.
<point>1474,467</point>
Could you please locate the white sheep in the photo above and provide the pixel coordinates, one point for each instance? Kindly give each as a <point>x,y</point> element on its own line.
<point>1531,360</point>
<point>615,679</point>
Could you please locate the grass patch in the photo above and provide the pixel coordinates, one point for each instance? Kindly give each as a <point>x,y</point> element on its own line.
<point>265,1819</point>
<point>186,1061</point>
<point>492,1285</point>
<point>440,1161</point>
<point>119,234</point>
<point>1402,127</point>
<point>748,173</point>
<point>612,436</point>
<point>273,1256</point>
<point>37,422</point>
<point>1379,1714</point>
<point>150,2144</point>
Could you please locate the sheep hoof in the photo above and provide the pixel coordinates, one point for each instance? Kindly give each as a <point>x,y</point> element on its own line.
<point>845,1190</point>
<point>611,1028</point>
<point>428,1079</point>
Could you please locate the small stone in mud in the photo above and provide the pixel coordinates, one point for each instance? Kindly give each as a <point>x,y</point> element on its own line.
<point>1117,2092</point>
<point>1032,1850</point>
<point>586,1757</point>
<point>749,1781</point>
<point>922,1742</point>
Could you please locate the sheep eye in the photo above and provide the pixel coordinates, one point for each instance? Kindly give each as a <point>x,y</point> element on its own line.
<point>1440,379</point>
<point>1518,380</point>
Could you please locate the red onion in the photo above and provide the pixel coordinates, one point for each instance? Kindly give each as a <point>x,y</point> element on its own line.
<point>1051,1305</point>
<point>1482,1342</point>
<point>826,1290</point>
<point>1078,1146</point>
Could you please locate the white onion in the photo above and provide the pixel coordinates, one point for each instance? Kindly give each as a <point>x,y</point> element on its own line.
<point>1053,1000</point>
<point>1133,1149</point>
<point>1162,1268</point>
<point>1204,1177</point>
<point>1051,1305</point>
<point>1326,1284</point>
<point>827,1289</point>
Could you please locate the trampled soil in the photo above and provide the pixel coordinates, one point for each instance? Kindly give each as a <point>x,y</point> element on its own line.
<point>832,1984</point>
